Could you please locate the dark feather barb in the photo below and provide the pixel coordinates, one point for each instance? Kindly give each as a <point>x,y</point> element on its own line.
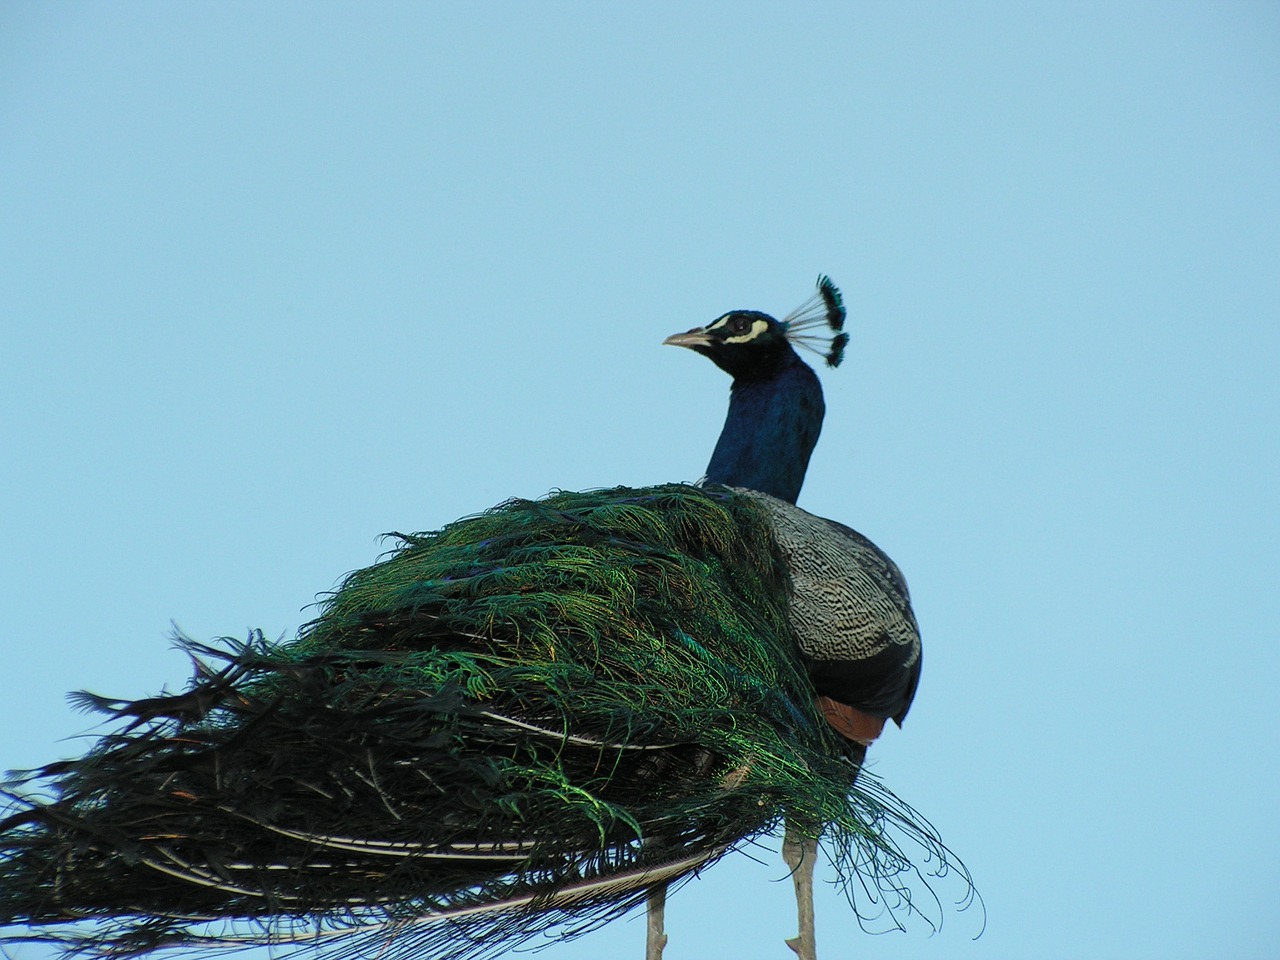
<point>833,302</point>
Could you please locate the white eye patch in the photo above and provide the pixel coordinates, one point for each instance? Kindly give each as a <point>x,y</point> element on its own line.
<point>757,328</point>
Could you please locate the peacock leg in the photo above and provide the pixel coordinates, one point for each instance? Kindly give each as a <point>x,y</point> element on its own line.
<point>799,853</point>
<point>656,938</point>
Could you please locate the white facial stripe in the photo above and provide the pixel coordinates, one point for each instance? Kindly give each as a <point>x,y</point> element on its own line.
<point>757,327</point>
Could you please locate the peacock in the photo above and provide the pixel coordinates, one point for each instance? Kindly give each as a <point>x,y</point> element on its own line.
<point>531,720</point>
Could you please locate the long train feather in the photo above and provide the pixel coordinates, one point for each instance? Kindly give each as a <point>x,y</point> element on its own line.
<point>528,718</point>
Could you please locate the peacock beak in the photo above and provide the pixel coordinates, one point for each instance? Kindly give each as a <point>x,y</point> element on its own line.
<point>697,337</point>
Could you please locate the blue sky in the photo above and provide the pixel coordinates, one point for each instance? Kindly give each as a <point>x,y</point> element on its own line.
<point>275,279</point>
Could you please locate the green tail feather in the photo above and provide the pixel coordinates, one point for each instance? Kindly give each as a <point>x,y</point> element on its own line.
<point>501,712</point>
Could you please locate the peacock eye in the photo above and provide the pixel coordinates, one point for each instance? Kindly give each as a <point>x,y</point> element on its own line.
<point>739,325</point>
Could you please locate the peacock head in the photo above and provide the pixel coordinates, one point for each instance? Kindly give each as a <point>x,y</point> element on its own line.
<point>750,345</point>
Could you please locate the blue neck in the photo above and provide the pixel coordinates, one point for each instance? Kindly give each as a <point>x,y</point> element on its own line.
<point>771,429</point>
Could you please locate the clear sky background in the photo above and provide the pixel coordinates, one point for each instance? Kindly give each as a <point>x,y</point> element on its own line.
<point>275,279</point>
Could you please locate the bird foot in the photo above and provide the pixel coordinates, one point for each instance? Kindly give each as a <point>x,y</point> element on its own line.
<point>656,937</point>
<point>799,852</point>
